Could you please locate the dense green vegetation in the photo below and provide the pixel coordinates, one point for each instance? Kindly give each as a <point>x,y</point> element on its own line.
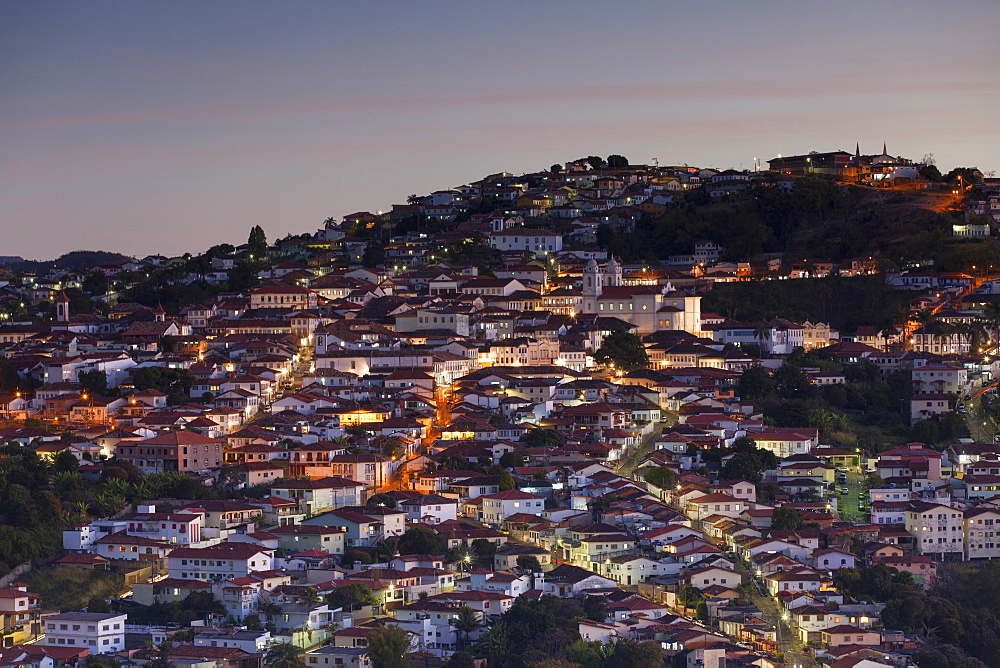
<point>959,611</point>
<point>844,303</point>
<point>74,260</point>
<point>818,218</point>
<point>868,411</point>
<point>67,589</point>
<point>38,499</point>
<point>624,350</point>
<point>546,629</point>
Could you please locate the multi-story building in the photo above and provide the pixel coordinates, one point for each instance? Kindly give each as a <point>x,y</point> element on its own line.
<point>99,632</point>
<point>317,496</point>
<point>982,533</point>
<point>501,505</point>
<point>937,529</point>
<point>19,615</point>
<point>224,561</point>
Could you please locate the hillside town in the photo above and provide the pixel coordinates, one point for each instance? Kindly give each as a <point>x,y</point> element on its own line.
<point>427,433</point>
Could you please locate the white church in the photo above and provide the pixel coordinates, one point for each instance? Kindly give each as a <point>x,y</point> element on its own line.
<point>651,308</point>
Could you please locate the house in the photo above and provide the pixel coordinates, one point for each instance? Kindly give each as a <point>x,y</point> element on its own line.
<point>715,504</point>
<point>501,505</point>
<point>846,634</point>
<point>922,568</point>
<point>218,562</point>
<point>178,450</point>
<point>785,442</point>
<point>363,525</point>
<point>19,615</point>
<point>832,559</point>
<point>224,514</point>
<point>99,632</point>
<point>300,537</point>
<point>318,496</point>
<point>130,548</point>
<point>568,581</point>
<point>927,405</point>
<point>797,579</point>
<point>540,242</point>
<point>940,378</point>
<point>710,576</point>
<point>429,508</point>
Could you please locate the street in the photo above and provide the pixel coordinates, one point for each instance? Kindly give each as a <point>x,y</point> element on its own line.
<point>791,647</point>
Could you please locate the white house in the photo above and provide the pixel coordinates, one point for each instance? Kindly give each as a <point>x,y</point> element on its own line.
<point>936,528</point>
<point>99,632</point>
<point>501,505</point>
<point>224,561</point>
<point>523,239</point>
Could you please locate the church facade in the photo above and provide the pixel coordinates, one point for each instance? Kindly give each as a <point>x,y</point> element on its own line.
<point>651,308</point>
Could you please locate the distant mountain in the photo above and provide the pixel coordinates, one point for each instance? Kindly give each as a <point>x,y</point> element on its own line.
<point>75,260</point>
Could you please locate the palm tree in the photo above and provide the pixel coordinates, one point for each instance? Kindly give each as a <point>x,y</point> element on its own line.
<point>310,598</point>
<point>269,610</point>
<point>762,332</point>
<point>284,655</point>
<point>991,317</point>
<point>465,622</point>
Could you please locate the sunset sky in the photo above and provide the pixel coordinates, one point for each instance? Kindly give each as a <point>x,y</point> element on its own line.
<point>170,126</point>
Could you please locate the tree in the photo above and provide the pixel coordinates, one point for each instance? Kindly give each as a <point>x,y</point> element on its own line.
<point>284,655</point>
<point>390,446</point>
<point>65,462</point>
<point>945,656</point>
<point>616,161</point>
<point>624,350</point>
<point>354,595</point>
<point>536,437</point>
<point>512,459</point>
<point>596,608</point>
<point>388,647</point>
<point>529,562</point>
<point>506,481</point>
<point>98,661</point>
<point>310,598</point>
<point>161,657</point>
<point>374,254</point>
<point>96,283</point>
<point>661,477</point>
<point>419,540</point>
<point>555,169</point>
<point>94,382</point>
<point>748,463</point>
<point>792,383</point>
<point>755,384</point>
<point>930,172</point>
<point>483,547</point>
<point>465,622</point>
<point>786,519</point>
<point>384,500</point>
<point>98,605</point>
<point>461,660</point>
<point>595,161</point>
<point>257,243</point>
<point>964,176</point>
<point>627,652</point>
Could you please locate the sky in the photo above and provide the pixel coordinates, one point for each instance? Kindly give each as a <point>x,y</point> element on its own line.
<point>170,126</point>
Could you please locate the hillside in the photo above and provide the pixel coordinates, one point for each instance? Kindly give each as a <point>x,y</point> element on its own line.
<point>818,219</point>
<point>844,303</point>
<point>74,260</point>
